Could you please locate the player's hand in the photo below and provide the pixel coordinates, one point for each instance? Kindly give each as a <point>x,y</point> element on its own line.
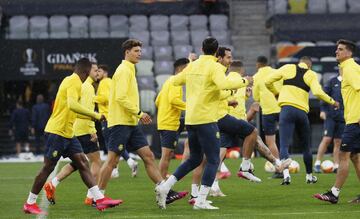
<point>102,118</point>
<point>248,91</point>
<point>233,103</point>
<point>322,115</point>
<point>192,56</point>
<point>336,105</point>
<point>145,119</point>
<point>255,107</point>
<point>93,137</point>
<point>250,80</point>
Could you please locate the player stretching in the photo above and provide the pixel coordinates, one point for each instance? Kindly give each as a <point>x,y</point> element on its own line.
<point>124,115</point>
<point>204,79</point>
<point>350,147</point>
<point>294,102</point>
<point>61,141</point>
<point>102,100</point>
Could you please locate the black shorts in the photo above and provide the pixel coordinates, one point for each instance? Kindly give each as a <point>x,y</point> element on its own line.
<point>57,146</point>
<point>351,138</point>
<point>127,137</point>
<point>333,129</point>
<point>87,145</point>
<point>21,136</point>
<point>269,123</point>
<point>169,139</point>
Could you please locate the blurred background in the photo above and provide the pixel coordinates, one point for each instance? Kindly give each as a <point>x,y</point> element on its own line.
<point>41,40</point>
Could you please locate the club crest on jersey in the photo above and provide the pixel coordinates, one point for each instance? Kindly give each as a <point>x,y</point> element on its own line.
<point>55,153</point>
<point>121,147</point>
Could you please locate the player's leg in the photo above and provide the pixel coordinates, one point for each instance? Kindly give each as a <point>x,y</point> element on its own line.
<point>336,151</point>
<point>287,126</point>
<point>196,181</point>
<point>355,158</point>
<point>269,126</point>
<point>107,167</point>
<point>166,155</point>
<point>168,143</point>
<point>186,153</point>
<point>329,128</point>
<point>215,188</point>
<point>95,163</point>
<point>304,132</point>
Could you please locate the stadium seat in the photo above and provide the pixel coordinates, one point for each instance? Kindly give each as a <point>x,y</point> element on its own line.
<point>284,43</point>
<point>163,53</point>
<point>160,38</point>
<point>197,36</point>
<point>223,36</point>
<point>297,6</point>
<point>327,76</point>
<point>179,22</point>
<point>337,6</point>
<point>147,101</point>
<point>143,36</point>
<point>180,37</point>
<point>160,80</point>
<point>99,26</point>
<point>147,52</point>
<point>218,22</point>
<point>119,27</point>
<point>182,51</point>
<point>138,23</point>
<point>159,22</point>
<point>305,43</point>
<point>79,26</point>
<point>163,68</point>
<point>39,27</point>
<point>146,82</point>
<point>144,67</point>
<point>198,22</point>
<point>317,6</point>
<point>328,59</point>
<point>59,27</point>
<point>354,6</point>
<point>18,27</point>
<point>288,60</point>
<point>315,59</point>
<point>277,6</point>
<point>325,43</point>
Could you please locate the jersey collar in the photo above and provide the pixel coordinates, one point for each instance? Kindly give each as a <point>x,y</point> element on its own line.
<point>346,62</point>
<point>129,64</point>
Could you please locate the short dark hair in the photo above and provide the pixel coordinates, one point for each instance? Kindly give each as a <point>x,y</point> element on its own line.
<point>306,59</point>
<point>237,64</point>
<point>262,60</point>
<point>180,62</point>
<point>104,67</point>
<point>83,65</point>
<point>210,46</point>
<point>350,45</point>
<point>129,44</point>
<point>221,51</point>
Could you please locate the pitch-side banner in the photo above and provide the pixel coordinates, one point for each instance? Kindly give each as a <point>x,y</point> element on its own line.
<point>54,59</point>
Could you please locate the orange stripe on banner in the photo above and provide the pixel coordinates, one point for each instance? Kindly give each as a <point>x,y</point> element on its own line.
<point>288,51</point>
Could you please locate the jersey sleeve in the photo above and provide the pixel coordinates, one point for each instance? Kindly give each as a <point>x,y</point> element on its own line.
<point>311,80</point>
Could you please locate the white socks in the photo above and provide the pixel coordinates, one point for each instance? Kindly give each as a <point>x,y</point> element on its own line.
<point>309,176</point>
<point>102,191</point>
<point>223,167</point>
<point>336,166</point>
<point>335,191</point>
<point>32,198</point>
<point>194,190</point>
<point>170,182</point>
<point>96,193</point>
<point>215,185</point>
<point>277,162</point>
<point>89,195</point>
<point>203,193</point>
<point>286,173</point>
<point>317,163</point>
<point>55,181</point>
<point>131,162</point>
<point>245,165</point>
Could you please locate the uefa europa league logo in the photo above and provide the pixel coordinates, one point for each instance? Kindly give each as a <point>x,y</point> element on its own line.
<point>29,53</point>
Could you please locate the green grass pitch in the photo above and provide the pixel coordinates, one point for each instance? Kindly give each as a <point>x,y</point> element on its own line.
<point>244,199</point>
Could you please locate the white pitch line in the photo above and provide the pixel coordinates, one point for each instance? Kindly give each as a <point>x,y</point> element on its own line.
<point>44,203</point>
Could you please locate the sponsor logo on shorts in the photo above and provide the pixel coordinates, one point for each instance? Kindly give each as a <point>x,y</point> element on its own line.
<point>55,153</point>
<point>343,145</point>
<point>325,132</point>
<point>175,143</point>
<point>217,134</point>
<point>121,147</point>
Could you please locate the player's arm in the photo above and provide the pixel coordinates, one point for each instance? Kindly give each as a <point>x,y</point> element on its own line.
<point>277,75</point>
<point>74,105</point>
<point>256,90</point>
<point>223,82</point>
<point>352,75</point>
<point>175,98</point>
<point>311,80</point>
<point>121,95</point>
<point>179,79</point>
<point>224,94</point>
<point>324,107</point>
<point>103,94</point>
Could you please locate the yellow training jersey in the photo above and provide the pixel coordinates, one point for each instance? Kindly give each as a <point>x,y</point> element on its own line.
<point>169,104</point>
<point>66,106</point>
<point>84,126</point>
<point>350,90</point>
<point>124,96</point>
<point>239,111</point>
<point>204,79</point>
<point>102,96</point>
<point>223,103</point>
<point>298,81</point>
<point>261,94</point>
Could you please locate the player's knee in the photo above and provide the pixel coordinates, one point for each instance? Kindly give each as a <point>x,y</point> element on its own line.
<point>148,157</point>
<point>355,158</point>
<point>214,160</point>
